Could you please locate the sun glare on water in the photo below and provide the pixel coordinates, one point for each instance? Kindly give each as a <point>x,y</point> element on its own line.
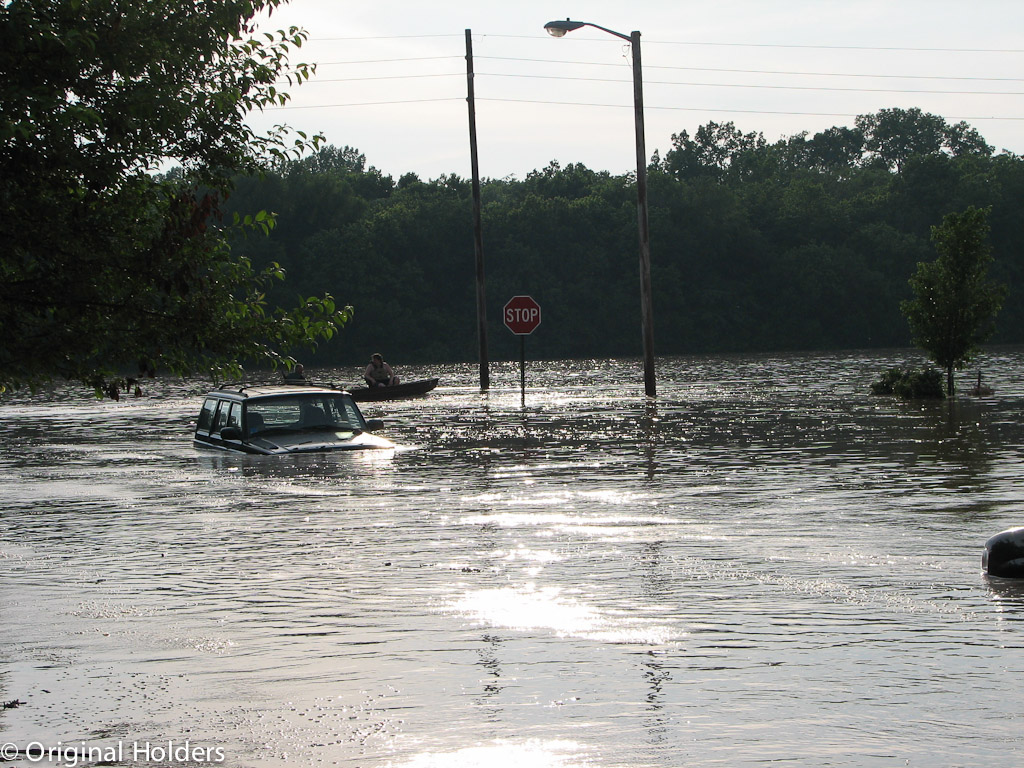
<point>503,754</point>
<point>547,609</point>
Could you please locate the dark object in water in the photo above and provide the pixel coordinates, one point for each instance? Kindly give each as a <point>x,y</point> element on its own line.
<point>910,384</point>
<point>395,392</point>
<point>980,390</point>
<point>1004,554</point>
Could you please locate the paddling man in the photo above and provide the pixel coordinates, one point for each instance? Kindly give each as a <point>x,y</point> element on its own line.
<point>378,373</point>
<point>296,374</point>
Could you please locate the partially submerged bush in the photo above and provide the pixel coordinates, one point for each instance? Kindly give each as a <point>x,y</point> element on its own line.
<point>887,384</point>
<point>910,384</point>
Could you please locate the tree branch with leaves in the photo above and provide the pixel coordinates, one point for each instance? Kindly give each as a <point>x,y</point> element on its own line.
<point>106,266</point>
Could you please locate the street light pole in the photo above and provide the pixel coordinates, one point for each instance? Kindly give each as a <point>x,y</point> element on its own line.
<point>559,29</point>
<point>647,311</point>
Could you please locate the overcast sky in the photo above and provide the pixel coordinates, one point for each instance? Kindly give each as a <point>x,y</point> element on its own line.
<point>391,77</point>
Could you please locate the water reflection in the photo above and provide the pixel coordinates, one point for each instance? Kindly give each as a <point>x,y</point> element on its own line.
<point>1008,595</point>
<point>766,563</point>
<point>490,660</point>
<point>657,719</point>
<point>558,753</point>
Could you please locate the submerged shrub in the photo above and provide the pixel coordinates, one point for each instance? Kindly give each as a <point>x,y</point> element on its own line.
<point>886,385</point>
<point>910,384</point>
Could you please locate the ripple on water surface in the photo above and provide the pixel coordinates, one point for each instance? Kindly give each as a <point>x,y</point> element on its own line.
<point>765,564</point>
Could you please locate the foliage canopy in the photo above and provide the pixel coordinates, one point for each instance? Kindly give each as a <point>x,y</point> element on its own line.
<point>106,266</point>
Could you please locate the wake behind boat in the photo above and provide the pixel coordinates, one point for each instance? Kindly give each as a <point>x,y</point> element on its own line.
<point>394,392</point>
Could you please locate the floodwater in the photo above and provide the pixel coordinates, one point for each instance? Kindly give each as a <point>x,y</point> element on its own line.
<point>766,565</point>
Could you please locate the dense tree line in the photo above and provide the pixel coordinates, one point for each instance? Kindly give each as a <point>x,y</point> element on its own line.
<point>804,243</point>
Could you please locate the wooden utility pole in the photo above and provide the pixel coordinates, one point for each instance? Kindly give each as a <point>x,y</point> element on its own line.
<point>478,239</point>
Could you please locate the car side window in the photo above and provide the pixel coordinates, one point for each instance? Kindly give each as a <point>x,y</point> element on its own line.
<point>206,415</point>
<point>235,415</point>
<point>352,414</point>
<point>221,419</point>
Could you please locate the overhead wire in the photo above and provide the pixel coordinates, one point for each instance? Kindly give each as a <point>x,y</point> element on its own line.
<point>612,106</point>
<point>745,85</point>
<point>711,85</point>
<point>888,75</point>
<point>751,71</point>
<point>386,61</point>
<point>719,109</point>
<point>649,105</point>
<point>717,85</point>
<point>652,41</point>
<point>648,67</point>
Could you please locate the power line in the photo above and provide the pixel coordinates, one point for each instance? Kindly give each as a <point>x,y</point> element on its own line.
<point>386,61</point>
<point>314,81</point>
<point>668,67</point>
<point>651,41</point>
<point>777,87</point>
<point>613,106</point>
<point>719,109</point>
<point>679,83</point>
<point>382,37</point>
<point>841,47</point>
<point>366,103</point>
<point>822,88</point>
<point>673,82</point>
<point>688,69</point>
<point>753,71</point>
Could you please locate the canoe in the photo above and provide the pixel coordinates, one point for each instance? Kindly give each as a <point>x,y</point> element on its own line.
<point>397,392</point>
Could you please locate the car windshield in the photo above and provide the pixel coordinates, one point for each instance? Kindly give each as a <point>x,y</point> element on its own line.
<point>327,411</point>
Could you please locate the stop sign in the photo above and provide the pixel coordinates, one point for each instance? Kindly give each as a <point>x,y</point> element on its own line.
<point>521,315</point>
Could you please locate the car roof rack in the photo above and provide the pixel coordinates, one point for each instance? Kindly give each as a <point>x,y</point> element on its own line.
<point>310,383</point>
<point>245,390</point>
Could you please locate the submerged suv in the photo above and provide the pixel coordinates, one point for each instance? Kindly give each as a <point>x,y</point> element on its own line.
<point>287,418</point>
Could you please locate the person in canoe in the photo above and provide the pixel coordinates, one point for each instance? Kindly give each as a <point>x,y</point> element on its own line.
<point>296,374</point>
<point>378,373</point>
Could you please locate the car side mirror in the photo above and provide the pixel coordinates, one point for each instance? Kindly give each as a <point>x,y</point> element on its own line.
<point>374,424</point>
<point>231,433</point>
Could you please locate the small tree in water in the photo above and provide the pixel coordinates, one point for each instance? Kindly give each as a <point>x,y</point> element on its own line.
<point>955,304</point>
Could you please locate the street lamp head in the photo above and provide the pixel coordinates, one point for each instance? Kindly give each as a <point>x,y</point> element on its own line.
<point>559,28</point>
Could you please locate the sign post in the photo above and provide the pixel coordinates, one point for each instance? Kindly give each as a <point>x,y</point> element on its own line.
<point>522,316</point>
